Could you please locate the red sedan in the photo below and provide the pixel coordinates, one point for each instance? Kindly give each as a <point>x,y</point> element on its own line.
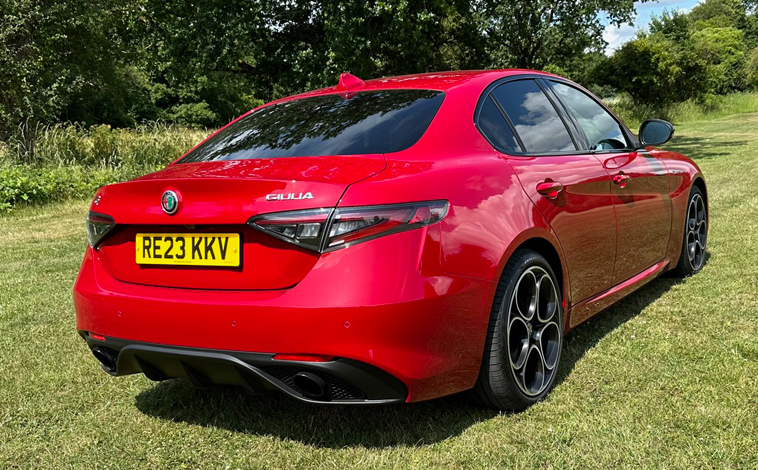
<point>393,240</point>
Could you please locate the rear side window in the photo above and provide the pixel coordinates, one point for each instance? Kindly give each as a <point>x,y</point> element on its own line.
<point>602,130</point>
<point>534,118</point>
<point>496,128</point>
<point>367,122</point>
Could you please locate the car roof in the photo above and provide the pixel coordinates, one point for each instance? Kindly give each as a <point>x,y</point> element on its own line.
<point>439,81</point>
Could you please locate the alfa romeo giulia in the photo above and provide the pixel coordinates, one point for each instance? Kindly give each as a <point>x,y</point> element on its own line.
<point>392,240</point>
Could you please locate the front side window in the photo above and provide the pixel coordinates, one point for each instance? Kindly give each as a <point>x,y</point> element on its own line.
<point>368,122</point>
<point>534,117</point>
<point>602,130</point>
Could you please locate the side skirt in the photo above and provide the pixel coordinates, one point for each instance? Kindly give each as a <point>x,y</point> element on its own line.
<point>589,307</point>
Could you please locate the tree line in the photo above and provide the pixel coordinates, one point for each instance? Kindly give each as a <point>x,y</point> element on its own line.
<point>203,62</point>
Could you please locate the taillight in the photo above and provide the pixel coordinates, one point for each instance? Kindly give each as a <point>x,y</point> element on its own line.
<point>98,225</point>
<point>303,228</point>
<point>324,230</point>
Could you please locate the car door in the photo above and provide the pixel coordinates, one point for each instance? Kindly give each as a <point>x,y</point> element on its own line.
<point>569,187</point>
<point>640,183</point>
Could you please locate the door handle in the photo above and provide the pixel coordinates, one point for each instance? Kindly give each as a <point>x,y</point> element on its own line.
<point>621,179</point>
<point>549,188</point>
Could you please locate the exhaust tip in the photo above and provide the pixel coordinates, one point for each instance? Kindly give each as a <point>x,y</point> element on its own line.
<point>107,360</point>
<point>311,385</point>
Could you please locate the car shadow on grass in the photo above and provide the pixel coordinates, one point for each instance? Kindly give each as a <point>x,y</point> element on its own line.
<point>586,335</point>
<point>342,426</point>
<point>700,148</point>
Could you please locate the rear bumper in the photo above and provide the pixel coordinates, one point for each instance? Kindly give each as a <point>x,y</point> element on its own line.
<point>345,381</point>
<point>384,304</point>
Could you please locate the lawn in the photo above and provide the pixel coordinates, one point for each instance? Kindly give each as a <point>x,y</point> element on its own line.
<point>668,378</point>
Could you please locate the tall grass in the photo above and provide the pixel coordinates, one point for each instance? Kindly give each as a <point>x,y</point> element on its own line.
<point>64,161</point>
<point>707,108</point>
<point>61,145</point>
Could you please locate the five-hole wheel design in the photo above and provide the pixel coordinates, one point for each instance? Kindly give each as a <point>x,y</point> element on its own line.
<point>697,231</point>
<point>533,334</point>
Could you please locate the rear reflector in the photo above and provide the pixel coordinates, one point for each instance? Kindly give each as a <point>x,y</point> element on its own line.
<point>97,337</point>
<point>303,357</point>
<point>324,230</point>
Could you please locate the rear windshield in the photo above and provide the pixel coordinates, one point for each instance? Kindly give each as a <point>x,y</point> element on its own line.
<point>365,122</point>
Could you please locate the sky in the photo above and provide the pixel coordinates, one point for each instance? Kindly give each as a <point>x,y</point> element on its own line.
<point>615,36</point>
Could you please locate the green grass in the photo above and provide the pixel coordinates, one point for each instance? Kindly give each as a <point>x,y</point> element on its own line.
<point>668,378</point>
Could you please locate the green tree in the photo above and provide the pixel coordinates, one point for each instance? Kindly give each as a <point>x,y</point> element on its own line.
<point>718,14</point>
<point>64,60</point>
<point>751,69</point>
<point>723,50</point>
<point>536,33</point>
<point>655,71</point>
<point>673,25</point>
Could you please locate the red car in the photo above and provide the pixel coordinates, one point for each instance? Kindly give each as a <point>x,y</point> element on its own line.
<point>393,240</point>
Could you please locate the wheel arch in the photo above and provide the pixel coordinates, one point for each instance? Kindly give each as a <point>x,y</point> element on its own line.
<point>699,182</point>
<point>546,244</point>
<point>550,253</point>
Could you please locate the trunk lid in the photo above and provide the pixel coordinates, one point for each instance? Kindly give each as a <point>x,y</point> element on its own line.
<point>219,198</point>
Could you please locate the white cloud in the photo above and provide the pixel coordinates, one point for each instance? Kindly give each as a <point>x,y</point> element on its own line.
<point>616,36</point>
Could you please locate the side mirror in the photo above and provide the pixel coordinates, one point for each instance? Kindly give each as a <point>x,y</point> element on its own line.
<point>656,132</point>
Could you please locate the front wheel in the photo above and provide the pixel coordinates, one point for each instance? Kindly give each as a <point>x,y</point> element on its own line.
<point>692,257</point>
<point>524,337</point>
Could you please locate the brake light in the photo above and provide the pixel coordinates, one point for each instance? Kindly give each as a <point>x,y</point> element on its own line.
<point>324,230</point>
<point>98,225</point>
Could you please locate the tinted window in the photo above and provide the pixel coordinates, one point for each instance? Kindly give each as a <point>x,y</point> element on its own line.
<point>536,121</point>
<point>601,129</point>
<point>496,128</point>
<point>367,122</point>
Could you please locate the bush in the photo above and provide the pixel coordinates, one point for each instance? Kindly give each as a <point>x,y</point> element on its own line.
<point>656,71</point>
<point>69,161</point>
<point>751,69</point>
<point>24,185</point>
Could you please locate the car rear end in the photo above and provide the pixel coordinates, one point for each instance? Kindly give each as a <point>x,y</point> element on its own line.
<point>238,264</point>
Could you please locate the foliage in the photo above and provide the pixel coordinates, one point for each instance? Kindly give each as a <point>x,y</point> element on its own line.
<point>687,56</point>
<point>72,161</point>
<point>751,68</point>
<point>723,49</point>
<point>65,61</point>
<point>654,70</point>
<point>703,108</point>
<point>202,63</point>
<point>21,184</point>
<point>537,33</point>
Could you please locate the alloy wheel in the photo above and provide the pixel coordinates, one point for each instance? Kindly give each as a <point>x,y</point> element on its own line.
<point>697,232</point>
<point>534,333</point>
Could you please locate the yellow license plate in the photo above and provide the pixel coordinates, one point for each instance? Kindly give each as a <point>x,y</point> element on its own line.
<point>184,249</point>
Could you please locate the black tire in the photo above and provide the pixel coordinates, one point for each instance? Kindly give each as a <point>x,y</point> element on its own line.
<point>499,385</point>
<point>691,263</point>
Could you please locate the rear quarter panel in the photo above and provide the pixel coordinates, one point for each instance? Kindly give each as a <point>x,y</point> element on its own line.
<point>490,215</point>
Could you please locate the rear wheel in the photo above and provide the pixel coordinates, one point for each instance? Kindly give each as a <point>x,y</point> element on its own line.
<point>692,257</point>
<point>524,338</point>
